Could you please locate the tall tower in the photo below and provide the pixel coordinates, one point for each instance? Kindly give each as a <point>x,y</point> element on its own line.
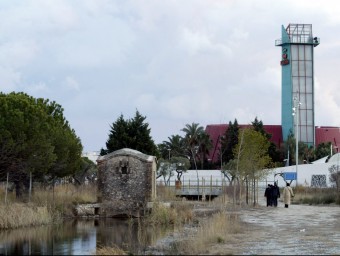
<point>297,62</point>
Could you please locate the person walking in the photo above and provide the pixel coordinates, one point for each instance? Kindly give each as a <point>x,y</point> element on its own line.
<point>287,195</point>
<point>275,194</point>
<point>268,195</point>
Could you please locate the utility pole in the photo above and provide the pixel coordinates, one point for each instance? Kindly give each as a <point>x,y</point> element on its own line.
<point>296,111</point>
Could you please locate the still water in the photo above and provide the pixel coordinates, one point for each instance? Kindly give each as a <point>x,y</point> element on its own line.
<point>80,237</point>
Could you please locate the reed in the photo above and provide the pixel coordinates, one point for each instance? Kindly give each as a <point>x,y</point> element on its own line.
<point>9,197</point>
<point>215,230</point>
<point>176,213</point>
<point>63,194</point>
<point>45,206</point>
<point>20,215</point>
<point>166,193</point>
<point>63,197</point>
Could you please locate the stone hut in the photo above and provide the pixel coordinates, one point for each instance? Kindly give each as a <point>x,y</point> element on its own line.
<point>126,183</point>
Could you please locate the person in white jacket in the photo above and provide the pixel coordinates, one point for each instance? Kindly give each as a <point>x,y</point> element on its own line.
<point>287,194</point>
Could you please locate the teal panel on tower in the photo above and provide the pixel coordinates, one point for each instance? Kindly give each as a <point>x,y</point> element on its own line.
<point>286,87</point>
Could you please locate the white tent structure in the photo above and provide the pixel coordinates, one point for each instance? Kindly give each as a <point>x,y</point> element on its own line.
<point>315,174</point>
<point>206,176</point>
<point>308,175</point>
<point>321,160</point>
<point>335,159</point>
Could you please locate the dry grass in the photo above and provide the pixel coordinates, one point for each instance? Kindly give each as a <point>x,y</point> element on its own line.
<point>20,215</point>
<point>216,230</point>
<point>165,193</point>
<point>64,197</point>
<point>45,205</point>
<point>169,209</point>
<point>65,194</point>
<point>61,194</point>
<point>177,213</point>
<point>10,195</point>
<point>315,196</point>
<point>112,250</point>
<point>215,225</point>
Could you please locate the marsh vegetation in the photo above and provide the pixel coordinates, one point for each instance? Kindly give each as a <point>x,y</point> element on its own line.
<point>190,227</point>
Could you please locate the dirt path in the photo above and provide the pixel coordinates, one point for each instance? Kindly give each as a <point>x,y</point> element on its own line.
<point>298,230</point>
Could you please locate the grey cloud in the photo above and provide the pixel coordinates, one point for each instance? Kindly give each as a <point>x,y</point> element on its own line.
<point>177,62</point>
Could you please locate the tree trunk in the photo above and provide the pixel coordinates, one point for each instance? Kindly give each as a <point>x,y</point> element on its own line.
<point>235,189</point>
<point>254,192</point>
<point>21,188</point>
<point>240,192</point>
<point>247,191</point>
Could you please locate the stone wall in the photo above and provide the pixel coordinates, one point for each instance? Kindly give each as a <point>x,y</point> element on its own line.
<point>126,182</point>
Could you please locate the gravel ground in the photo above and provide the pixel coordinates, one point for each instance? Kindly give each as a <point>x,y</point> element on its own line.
<point>297,230</point>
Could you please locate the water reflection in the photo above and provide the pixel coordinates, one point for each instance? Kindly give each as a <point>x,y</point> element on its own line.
<point>80,237</point>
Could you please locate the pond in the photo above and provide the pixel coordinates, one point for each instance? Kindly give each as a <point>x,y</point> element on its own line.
<point>80,237</point>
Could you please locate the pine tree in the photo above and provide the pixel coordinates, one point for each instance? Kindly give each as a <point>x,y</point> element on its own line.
<point>132,133</point>
<point>35,141</point>
<point>118,137</point>
<point>229,141</point>
<point>273,152</point>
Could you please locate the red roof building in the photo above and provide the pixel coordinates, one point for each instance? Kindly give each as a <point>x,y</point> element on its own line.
<point>322,134</point>
<point>328,134</point>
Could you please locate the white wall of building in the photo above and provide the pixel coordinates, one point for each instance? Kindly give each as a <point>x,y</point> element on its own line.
<point>305,173</point>
<point>304,177</point>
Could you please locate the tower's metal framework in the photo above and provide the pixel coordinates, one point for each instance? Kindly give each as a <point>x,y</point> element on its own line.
<point>297,61</point>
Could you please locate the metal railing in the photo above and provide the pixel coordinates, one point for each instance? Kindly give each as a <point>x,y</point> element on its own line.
<point>299,40</point>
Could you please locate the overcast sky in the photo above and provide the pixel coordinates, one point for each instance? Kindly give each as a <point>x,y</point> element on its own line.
<point>175,61</point>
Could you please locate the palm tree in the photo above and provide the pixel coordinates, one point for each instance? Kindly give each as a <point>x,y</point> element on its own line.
<point>204,148</point>
<point>173,147</point>
<point>197,142</point>
<point>192,133</point>
<point>176,145</point>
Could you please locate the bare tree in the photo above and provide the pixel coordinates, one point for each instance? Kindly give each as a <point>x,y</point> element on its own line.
<point>334,177</point>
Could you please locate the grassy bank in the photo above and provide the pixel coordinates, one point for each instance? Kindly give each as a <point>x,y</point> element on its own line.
<point>200,224</point>
<point>62,198</point>
<point>44,207</point>
<point>217,229</point>
<point>19,215</point>
<point>175,214</point>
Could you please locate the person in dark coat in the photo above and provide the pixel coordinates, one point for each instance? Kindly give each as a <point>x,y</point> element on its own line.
<point>268,195</point>
<point>275,194</point>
